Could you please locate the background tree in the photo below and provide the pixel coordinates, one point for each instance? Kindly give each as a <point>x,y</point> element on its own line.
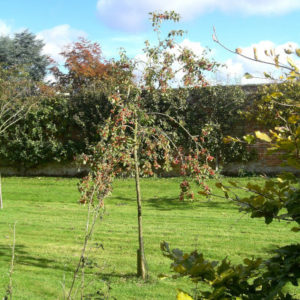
<point>20,62</point>
<point>6,50</point>
<point>24,50</point>
<point>85,65</point>
<point>17,95</point>
<point>58,129</point>
<point>76,101</point>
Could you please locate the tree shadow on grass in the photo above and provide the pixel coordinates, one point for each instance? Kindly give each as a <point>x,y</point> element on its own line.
<point>170,203</point>
<point>162,203</point>
<point>23,257</point>
<point>108,276</point>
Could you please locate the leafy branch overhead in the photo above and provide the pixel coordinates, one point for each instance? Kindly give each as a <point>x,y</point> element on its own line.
<point>278,109</point>
<point>290,66</point>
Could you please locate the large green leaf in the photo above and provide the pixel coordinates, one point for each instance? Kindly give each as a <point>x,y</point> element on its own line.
<point>263,136</point>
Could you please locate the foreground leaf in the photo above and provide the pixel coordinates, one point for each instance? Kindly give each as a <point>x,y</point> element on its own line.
<point>183,296</point>
<point>263,136</point>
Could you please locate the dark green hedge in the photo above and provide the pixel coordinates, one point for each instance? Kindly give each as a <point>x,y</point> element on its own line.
<point>216,112</point>
<point>56,129</point>
<point>60,127</point>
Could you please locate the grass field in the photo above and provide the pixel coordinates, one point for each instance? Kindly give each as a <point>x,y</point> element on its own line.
<point>50,228</point>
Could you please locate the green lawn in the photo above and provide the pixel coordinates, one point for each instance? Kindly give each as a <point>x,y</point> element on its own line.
<point>50,227</point>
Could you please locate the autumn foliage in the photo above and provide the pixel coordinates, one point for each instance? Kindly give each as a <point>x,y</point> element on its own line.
<point>85,64</point>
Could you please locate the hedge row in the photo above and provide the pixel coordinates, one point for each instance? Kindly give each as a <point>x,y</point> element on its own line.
<point>61,127</point>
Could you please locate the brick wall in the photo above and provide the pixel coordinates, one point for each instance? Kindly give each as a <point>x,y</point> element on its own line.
<point>264,163</point>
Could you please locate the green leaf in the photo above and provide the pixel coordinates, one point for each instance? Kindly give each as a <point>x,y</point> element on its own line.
<point>248,76</point>
<point>276,60</point>
<point>276,95</point>
<point>288,51</point>
<point>229,139</point>
<point>183,296</point>
<point>255,53</point>
<point>287,176</point>
<point>249,138</point>
<point>297,51</point>
<point>218,293</point>
<point>162,276</point>
<point>292,63</point>
<point>293,162</point>
<point>227,274</point>
<point>293,119</point>
<point>267,75</point>
<point>262,136</point>
<point>247,261</point>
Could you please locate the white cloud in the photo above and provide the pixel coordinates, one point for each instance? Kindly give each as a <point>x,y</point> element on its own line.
<point>130,15</point>
<point>4,29</point>
<point>57,38</point>
<point>237,66</point>
<point>194,46</point>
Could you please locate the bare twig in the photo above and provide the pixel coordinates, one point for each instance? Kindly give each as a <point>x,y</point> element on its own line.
<point>278,65</point>
<point>9,291</point>
<point>92,217</point>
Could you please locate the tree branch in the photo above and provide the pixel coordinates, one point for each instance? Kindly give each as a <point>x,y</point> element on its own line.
<point>279,65</point>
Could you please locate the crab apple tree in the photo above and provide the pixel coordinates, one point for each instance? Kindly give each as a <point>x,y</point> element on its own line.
<point>134,140</point>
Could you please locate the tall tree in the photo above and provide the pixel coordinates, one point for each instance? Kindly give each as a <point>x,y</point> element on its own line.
<point>25,50</point>
<point>85,66</point>
<point>6,50</point>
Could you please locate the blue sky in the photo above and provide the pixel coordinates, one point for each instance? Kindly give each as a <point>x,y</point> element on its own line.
<point>123,23</point>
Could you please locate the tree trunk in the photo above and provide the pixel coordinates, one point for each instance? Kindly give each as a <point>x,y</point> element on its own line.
<point>1,200</point>
<point>141,259</point>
